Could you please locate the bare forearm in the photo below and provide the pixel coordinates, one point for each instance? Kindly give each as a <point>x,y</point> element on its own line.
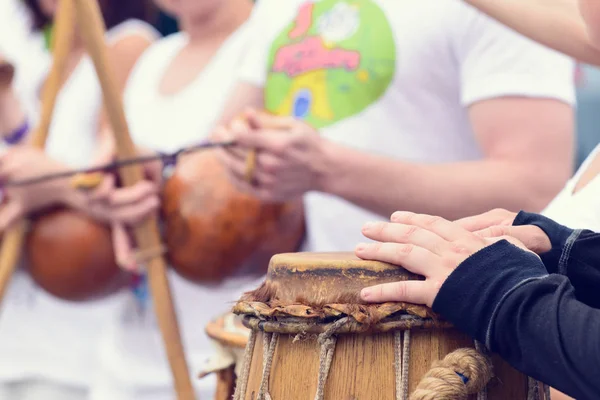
<point>452,190</point>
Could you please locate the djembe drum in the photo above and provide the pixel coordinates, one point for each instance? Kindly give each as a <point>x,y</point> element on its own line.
<point>229,337</point>
<point>313,338</point>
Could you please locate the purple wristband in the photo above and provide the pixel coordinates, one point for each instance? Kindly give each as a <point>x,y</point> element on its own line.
<point>18,134</point>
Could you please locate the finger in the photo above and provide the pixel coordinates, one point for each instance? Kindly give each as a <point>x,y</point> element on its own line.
<point>236,151</point>
<point>133,194</point>
<point>530,236</point>
<point>266,140</point>
<point>154,171</point>
<point>414,258</point>
<point>136,213</point>
<point>104,190</point>
<point>262,120</point>
<point>222,134</point>
<point>485,220</point>
<point>415,292</point>
<point>234,166</point>
<point>408,234</point>
<point>9,213</point>
<point>494,231</point>
<point>123,248</point>
<point>445,229</point>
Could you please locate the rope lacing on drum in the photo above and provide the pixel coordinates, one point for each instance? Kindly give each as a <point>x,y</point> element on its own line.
<point>269,342</point>
<point>327,340</point>
<point>242,383</point>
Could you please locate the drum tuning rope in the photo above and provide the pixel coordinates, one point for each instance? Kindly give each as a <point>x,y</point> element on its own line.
<point>401,363</point>
<point>269,343</point>
<point>327,340</point>
<point>242,383</point>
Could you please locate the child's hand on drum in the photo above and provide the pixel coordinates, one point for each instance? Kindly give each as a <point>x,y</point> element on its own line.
<point>289,156</point>
<point>425,245</point>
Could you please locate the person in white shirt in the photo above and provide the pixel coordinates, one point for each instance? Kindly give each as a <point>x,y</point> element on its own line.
<point>424,106</point>
<point>47,345</point>
<point>173,98</point>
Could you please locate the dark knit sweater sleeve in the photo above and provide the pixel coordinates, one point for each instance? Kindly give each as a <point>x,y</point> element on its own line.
<point>504,297</point>
<point>575,253</point>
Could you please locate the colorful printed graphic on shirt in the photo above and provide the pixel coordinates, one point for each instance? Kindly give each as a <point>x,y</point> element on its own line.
<point>333,61</point>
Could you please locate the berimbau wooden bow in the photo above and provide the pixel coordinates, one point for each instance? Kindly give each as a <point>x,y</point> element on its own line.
<point>147,234</point>
<point>12,242</point>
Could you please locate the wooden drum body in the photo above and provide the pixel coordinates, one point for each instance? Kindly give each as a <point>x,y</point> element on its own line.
<point>313,338</point>
<point>230,338</point>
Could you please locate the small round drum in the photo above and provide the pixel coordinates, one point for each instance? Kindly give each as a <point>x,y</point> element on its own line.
<point>229,337</point>
<point>312,338</point>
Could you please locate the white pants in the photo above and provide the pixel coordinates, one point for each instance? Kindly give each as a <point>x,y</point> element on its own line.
<point>40,390</point>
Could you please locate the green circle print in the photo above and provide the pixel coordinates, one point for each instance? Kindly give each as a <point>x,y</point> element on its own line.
<point>331,62</point>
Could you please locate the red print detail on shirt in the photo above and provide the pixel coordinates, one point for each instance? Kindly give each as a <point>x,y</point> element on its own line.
<point>303,21</point>
<point>310,55</point>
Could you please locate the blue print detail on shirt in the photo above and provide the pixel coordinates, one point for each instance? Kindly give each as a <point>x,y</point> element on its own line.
<point>140,290</point>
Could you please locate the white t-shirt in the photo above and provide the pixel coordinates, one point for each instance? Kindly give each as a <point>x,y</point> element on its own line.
<point>393,78</point>
<point>133,358</point>
<point>582,209</point>
<point>42,337</point>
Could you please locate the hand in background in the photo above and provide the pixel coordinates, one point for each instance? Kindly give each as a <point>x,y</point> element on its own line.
<point>289,155</point>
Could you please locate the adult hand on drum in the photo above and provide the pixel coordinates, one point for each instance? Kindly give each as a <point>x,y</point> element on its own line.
<point>290,157</point>
<point>425,245</point>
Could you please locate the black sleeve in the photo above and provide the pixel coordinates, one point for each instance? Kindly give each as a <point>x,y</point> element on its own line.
<point>504,297</point>
<point>575,253</point>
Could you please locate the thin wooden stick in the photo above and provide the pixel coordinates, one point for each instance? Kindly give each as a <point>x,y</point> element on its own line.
<point>147,234</point>
<point>554,23</point>
<point>12,242</point>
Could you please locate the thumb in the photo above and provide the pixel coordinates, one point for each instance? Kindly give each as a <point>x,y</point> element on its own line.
<point>529,236</point>
<point>264,120</point>
<point>415,292</point>
<point>123,248</point>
